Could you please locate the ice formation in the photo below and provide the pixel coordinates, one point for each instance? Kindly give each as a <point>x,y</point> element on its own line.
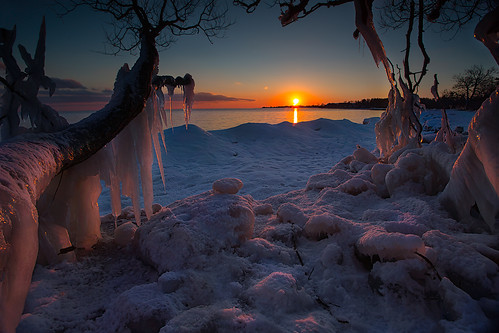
<point>474,179</point>
<point>31,162</point>
<point>474,182</point>
<point>399,125</point>
<point>365,26</point>
<point>188,90</point>
<point>447,135</point>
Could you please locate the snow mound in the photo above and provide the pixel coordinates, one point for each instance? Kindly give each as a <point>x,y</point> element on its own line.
<point>123,235</point>
<point>291,213</point>
<point>389,245</point>
<point>323,180</point>
<point>356,186</point>
<point>466,267</point>
<point>194,228</point>
<point>279,292</point>
<point>461,311</point>
<point>259,250</point>
<point>402,278</point>
<point>319,226</point>
<point>143,308</point>
<point>361,154</point>
<point>227,185</point>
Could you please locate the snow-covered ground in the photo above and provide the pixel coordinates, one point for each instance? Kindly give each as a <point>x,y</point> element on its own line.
<point>307,245</point>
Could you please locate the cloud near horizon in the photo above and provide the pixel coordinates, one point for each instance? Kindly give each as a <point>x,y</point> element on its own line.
<point>209,97</point>
<point>71,95</point>
<point>67,83</point>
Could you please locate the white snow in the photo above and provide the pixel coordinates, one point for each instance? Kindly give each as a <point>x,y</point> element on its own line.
<point>313,242</point>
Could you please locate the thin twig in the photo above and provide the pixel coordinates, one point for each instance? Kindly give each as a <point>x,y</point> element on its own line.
<point>429,263</point>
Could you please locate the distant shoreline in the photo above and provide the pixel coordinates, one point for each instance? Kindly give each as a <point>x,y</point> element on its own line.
<point>324,107</point>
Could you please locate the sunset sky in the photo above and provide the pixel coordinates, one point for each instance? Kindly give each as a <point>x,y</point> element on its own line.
<point>257,63</point>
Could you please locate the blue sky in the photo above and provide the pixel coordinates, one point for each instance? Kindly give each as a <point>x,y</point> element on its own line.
<point>256,63</point>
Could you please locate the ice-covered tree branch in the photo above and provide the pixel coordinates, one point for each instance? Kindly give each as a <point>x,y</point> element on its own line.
<point>30,162</point>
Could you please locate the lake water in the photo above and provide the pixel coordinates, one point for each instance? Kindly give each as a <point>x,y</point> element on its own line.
<point>214,119</point>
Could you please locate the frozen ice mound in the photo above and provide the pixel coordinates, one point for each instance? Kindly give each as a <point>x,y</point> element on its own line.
<point>194,228</point>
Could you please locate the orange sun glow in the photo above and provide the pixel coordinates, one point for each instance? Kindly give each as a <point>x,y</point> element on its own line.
<point>296,101</point>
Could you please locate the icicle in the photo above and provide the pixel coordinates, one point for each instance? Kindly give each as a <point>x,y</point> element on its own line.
<point>70,202</point>
<point>84,225</point>
<point>126,167</point>
<point>155,127</point>
<point>188,90</point>
<point>110,178</point>
<point>142,139</point>
<point>171,91</point>
<point>365,26</point>
<point>171,107</point>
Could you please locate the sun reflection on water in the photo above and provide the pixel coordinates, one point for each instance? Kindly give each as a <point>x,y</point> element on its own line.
<point>295,116</point>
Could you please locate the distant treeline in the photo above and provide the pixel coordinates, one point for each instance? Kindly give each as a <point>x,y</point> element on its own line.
<point>445,102</point>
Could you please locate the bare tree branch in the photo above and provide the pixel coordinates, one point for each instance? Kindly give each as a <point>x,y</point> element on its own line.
<point>165,20</point>
<point>249,6</point>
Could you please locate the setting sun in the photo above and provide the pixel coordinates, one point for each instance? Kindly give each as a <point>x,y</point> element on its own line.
<point>296,101</point>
